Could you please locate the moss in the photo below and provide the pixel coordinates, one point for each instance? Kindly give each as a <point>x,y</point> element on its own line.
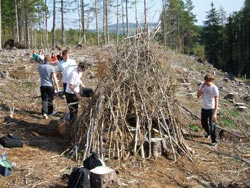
<point>227,122</point>
<point>195,127</point>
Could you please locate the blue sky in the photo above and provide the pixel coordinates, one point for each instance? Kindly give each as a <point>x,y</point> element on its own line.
<point>201,7</point>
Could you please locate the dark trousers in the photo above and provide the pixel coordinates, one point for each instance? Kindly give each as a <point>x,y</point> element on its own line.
<point>47,95</point>
<point>64,87</point>
<point>207,123</point>
<point>72,102</point>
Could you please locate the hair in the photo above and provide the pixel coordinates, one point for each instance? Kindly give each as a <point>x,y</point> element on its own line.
<point>65,52</point>
<point>209,77</point>
<point>47,59</point>
<point>83,65</point>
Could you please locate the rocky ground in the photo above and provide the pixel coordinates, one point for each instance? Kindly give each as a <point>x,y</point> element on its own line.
<point>42,162</point>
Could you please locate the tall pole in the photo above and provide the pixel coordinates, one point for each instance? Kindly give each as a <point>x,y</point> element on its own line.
<point>0,25</point>
<point>54,23</point>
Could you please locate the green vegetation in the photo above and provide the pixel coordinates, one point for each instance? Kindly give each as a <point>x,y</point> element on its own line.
<point>227,41</point>
<point>178,25</point>
<point>195,127</point>
<point>233,113</point>
<point>223,42</point>
<point>27,84</point>
<point>227,122</point>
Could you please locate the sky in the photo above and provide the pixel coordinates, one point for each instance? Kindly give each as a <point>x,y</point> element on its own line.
<point>201,7</point>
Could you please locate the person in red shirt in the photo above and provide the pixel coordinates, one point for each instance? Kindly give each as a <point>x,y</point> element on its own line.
<point>54,58</point>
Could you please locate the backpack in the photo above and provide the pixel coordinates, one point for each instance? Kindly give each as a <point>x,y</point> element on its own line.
<point>11,141</point>
<point>92,161</point>
<point>86,92</point>
<point>79,178</point>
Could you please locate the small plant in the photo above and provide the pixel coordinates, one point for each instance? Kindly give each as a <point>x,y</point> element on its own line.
<point>27,84</point>
<point>195,127</point>
<point>227,122</point>
<point>233,113</point>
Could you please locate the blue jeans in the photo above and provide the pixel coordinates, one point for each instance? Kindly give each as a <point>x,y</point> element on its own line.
<point>207,123</point>
<point>47,95</point>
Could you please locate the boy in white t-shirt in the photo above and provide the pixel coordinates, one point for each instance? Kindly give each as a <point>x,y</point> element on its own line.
<point>65,67</point>
<point>210,102</point>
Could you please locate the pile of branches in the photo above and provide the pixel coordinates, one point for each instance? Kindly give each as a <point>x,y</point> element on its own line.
<point>133,103</point>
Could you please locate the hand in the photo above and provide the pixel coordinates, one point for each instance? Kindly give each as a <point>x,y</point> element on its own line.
<point>203,85</point>
<point>78,96</point>
<point>214,117</point>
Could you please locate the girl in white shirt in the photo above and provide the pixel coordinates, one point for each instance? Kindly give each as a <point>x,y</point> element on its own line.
<point>73,89</point>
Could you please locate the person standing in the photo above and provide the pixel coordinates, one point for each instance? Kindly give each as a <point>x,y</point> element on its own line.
<point>65,67</point>
<point>210,102</point>
<point>73,90</point>
<point>47,81</point>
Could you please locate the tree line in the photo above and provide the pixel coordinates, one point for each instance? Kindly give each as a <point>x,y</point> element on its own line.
<point>227,40</point>
<point>222,41</point>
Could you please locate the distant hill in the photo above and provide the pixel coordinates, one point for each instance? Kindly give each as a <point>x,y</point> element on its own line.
<point>122,27</point>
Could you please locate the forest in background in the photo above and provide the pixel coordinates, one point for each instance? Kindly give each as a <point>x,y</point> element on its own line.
<point>222,41</point>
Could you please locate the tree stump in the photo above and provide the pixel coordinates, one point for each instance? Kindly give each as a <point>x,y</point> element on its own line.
<point>242,108</point>
<point>231,96</point>
<point>63,129</point>
<point>239,104</point>
<point>103,177</point>
<point>156,146</point>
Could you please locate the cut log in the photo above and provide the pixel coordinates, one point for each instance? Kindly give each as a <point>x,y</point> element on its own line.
<point>242,108</point>
<point>231,96</point>
<point>239,104</point>
<point>156,146</point>
<point>103,177</point>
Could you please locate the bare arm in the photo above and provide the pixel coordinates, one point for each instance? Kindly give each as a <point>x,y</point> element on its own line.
<point>81,84</point>
<point>59,76</point>
<point>216,99</point>
<point>71,86</point>
<point>200,91</point>
<point>55,81</point>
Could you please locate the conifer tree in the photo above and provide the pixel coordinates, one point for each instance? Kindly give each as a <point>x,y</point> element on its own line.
<point>212,36</point>
<point>178,26</point>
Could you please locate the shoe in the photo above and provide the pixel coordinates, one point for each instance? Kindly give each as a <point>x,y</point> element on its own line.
<point>45,116</point>
<point>62,97</point>
<point>206,135</point>
<point>53,113</point>
<point>214,143</point>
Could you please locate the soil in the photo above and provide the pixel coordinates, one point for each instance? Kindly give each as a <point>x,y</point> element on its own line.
<point>42,162</point>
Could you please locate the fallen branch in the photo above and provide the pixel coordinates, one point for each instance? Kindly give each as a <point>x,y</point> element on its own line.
<point>232,156</point>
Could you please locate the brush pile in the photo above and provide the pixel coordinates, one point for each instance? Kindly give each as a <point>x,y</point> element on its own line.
<point>134,103</point>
